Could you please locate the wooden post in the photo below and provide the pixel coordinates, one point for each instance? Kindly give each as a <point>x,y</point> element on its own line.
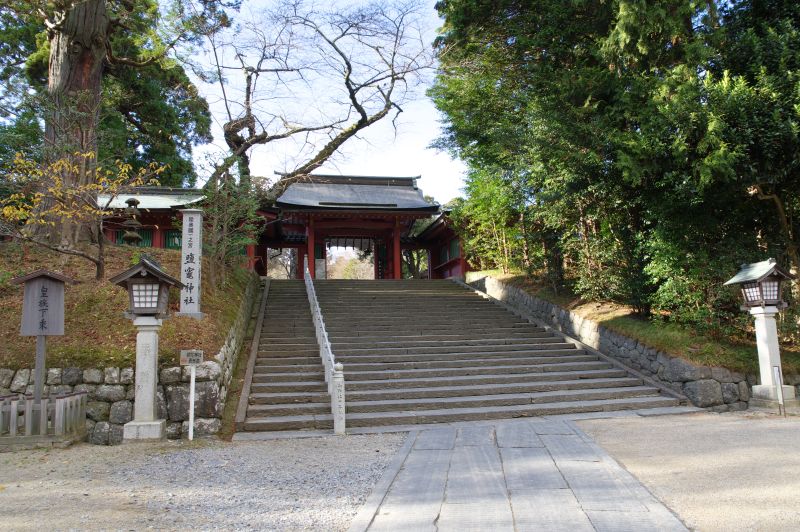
<point>300,254</point>
<point>375,258</point>
<point>398,272</point>
<point>251,256</point>
<point>43,417</point>
<point>38,378</point>
<point>312,262</point>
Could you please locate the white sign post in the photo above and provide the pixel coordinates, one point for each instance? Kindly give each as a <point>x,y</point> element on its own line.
<point>191,358</point>
<point>191,262</point>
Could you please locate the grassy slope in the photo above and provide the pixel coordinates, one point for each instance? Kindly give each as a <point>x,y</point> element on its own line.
<point>670,338</point>
<point>96,332</point>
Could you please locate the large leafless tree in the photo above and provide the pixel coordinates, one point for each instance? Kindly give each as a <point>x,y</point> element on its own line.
<point>314,78</point>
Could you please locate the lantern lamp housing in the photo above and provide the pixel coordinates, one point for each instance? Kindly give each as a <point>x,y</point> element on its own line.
<point>760,283</point>
<point>148,288</point>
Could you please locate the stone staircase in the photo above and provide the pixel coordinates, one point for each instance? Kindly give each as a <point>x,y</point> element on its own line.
<point>423,352</point>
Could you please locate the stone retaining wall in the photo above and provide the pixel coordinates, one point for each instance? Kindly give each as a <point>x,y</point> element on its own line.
<point>111,390</point>
<point>708,387</point>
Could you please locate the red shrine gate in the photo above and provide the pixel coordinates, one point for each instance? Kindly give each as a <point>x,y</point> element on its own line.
<point>383,214</point>
<point>357,211</point>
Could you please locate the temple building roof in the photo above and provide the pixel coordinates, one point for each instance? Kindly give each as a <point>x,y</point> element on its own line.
<point>155,198</point>
<point>333,192</point>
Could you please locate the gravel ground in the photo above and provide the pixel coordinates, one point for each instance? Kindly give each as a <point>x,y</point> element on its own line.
<point>299,484</point>
<point>718,472</point>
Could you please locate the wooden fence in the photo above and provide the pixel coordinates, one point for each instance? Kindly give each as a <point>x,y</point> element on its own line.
<point>21,418</point>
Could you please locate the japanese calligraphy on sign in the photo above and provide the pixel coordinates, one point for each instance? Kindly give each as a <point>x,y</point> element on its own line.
<point>191,357</point>
<point>191,262</point>
<point>43,304</point>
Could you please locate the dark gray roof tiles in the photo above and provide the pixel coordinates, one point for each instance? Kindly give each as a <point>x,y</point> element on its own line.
<point>342,192</point>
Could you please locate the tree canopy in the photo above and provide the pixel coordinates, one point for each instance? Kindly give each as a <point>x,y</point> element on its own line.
<point>640,151</point>
<point>150,111</point>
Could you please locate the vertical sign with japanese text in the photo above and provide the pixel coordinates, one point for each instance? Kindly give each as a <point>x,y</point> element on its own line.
<point>191,262</point>
<point>43,308</point>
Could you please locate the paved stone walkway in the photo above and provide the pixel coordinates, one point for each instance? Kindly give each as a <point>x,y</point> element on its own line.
<point>520,475</point>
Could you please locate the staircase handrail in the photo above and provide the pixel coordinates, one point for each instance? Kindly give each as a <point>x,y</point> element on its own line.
<point>334,372</point>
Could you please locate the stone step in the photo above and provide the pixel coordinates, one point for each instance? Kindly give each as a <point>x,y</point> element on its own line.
<point>462,335</point>
<point>450,391</point>
<point>374,378</point>
<point>447,360</point>
<point>393,320</point>
<point>462,349</point>
<point>459,362</point>
<point>290,342</point>
<point>455,342</point>
<point>276,351</point>
<point>409,385</point>
<point>449,415</point>
<point>276,360</point>
<point>503,399</point>
<point>418,381</point>
<point>564,363</point>
<point>407,310</point>
<point>403,329</point>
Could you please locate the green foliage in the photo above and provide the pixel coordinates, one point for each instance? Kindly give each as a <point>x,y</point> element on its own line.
<point>232,223</point>
<point>630,151</point>
<point>149,113</point>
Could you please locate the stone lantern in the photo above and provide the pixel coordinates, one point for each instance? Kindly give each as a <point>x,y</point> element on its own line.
<point>760,283</point>
<point>148,288</point>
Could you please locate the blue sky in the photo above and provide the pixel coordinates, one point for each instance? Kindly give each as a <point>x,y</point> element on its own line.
<point>382,149</point>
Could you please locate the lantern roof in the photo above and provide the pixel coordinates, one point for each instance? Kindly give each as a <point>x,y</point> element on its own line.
<point>147,265</point>
<point>758,271</point>
<point>42,273</point>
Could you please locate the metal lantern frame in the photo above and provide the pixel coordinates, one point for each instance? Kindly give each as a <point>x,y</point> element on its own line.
<point>148,288</point>
<point>760,283</point>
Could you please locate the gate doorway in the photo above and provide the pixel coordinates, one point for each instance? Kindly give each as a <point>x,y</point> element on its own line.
<point>350,258</point>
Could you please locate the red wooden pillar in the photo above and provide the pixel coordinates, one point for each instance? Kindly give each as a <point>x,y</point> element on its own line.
<point>396,250</point>
<point>312,265</point>
<point>300,254</point>
<point>375,257</point>
<point>251,256</point>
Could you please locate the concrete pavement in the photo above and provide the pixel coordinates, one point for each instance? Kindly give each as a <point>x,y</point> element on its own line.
<point>517,475</point>
<point>719,472</point>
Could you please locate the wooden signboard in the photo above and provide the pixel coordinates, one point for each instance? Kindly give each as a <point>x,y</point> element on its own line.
<point>43,304</point>
<point>42,316</point>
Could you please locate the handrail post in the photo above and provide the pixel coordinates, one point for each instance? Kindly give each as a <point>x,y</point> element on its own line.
<point>334,372</point>
<point>337,400</point>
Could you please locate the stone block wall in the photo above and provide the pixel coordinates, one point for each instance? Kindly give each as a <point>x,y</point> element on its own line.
<point>708,387</point>
<point>111,390</point>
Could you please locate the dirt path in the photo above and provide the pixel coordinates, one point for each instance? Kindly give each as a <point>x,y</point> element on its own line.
<point>309,484</point>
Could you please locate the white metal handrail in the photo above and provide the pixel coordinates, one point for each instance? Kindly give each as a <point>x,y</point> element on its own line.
<point>334,373</point>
